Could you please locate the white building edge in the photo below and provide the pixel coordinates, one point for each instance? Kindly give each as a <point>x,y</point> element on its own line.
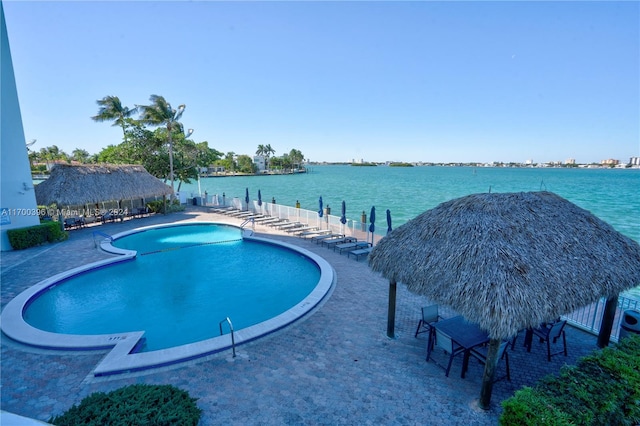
<point>17,198</point>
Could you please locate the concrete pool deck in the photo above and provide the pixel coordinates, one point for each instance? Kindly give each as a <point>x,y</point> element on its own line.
<point>334,366</point>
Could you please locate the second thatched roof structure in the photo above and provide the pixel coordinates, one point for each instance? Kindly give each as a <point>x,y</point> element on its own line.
<point>509,261</point>
<point>75,185</point>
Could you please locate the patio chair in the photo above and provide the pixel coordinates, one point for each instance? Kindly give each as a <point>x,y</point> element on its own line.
<point>450,347</point>
<point>70,223</point>
<point>552,331</point>
<point>429,316</point>
<point>480,353</point>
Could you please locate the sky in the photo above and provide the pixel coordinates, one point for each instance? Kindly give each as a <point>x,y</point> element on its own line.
<point>341,81</point>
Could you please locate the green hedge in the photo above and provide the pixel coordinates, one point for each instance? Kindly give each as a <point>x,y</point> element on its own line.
<point>172,206</point>
<point>149,405</point>
<point>22,238</point>
<point>603,388</point>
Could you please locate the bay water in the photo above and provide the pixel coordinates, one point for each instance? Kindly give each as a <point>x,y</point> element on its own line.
<point>613,195</point>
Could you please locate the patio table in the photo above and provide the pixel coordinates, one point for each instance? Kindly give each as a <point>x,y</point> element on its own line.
<point>464,333</point>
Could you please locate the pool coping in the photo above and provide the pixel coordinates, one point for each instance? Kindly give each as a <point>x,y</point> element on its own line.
<point>119,359</point>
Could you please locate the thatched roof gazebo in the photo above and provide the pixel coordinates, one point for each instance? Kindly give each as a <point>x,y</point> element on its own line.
<point>508,262</point>
<point>76,185</point>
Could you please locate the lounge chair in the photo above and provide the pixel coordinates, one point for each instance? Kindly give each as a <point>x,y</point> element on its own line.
<point>350,246</point>
<point>231,212</point>
<point>265,218</point>
<point>141,211</point>
<point>223,210</point>
<point>316,232</point>
<point>296,228</point>
<point>107,216</point>
<point>278,223</point>
<point>288,225</point>
<point>360,252</point>
<point>319,238</point>
<point>330,242</point>
<point>240,214</point>
<point>299,231</point>
<point>73,222</point>
<point>270,220</point>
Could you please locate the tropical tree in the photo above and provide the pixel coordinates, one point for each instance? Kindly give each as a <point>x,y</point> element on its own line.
<point>52,154</point>
<point>113,154</point>
<point>229,161</point>
<point>190,157</point>
<point>296,157</point>
<point>276,163</point>
<point>111,109</point>
<point>80,155</point>
<point>268,151</point>
<point>160,113</point>
<point>33,158</point>
<point>286,162</point>
<point>261,150</point>
<point>246,165</point>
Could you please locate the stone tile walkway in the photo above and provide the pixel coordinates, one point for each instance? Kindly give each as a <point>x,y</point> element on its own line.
<point>335,366</point>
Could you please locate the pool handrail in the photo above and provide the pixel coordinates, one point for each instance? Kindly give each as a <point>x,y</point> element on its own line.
<point>233,340</point>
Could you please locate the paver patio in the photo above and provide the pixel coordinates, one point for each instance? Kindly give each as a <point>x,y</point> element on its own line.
<point>334,366</point>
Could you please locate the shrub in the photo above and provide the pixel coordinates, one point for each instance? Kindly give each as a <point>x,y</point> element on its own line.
<point>158,206</point>
<point>134,405</point>
<point>30,236</point>
<point>602,388</point>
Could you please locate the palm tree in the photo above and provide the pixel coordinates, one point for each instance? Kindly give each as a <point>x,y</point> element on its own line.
<point>160,113</point>
<point>268,151</point>
<point>296,157</point>
<point>80,155</point>
<point>111,109</point>
<point>260,150</point>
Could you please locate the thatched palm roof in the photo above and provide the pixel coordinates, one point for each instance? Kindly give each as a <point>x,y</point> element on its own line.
<point>509,261</point>
<point>72,185</point>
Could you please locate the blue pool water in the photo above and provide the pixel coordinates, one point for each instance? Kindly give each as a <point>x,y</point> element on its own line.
<point>184,281</point>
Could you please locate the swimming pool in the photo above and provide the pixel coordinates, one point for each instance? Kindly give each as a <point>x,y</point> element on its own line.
<point>164,302</point>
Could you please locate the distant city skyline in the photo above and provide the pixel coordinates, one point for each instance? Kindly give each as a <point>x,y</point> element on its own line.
<point>379,81</point>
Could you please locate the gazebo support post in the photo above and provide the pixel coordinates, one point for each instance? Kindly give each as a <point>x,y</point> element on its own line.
<point>391,317</point>
<point>489,373</point>
<point>606,324</point>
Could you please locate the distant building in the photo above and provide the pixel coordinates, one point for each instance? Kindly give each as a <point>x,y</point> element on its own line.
<point>215,169</point>
<point>570,161</point>
<point>634,161</point>
<point>610,162</point>
<point>261,162</point>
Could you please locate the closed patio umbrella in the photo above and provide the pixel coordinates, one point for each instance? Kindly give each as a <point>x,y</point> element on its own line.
<point>388,221</point>
<point>509,261</point>
<point>343,215</point>
<point>372,220</point>
<point>260,200</point>
<point>246,197</point>
<point>319,211</point>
